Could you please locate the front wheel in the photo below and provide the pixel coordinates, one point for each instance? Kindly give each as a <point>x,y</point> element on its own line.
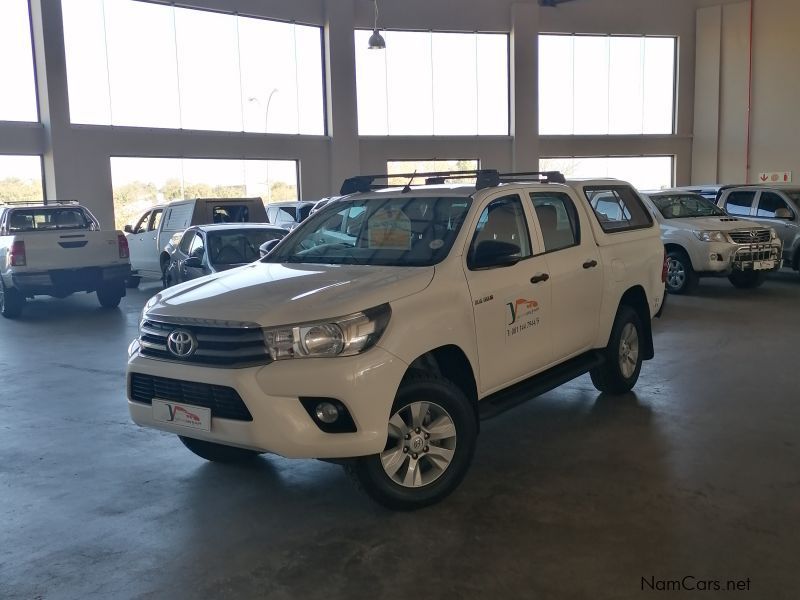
<point>11,302</point>
<point>432,435</point>
<point>218,452</point>
<point>747,280</point>
<point>681,277</point>
<point>110,294</point>
<point>623,357</point>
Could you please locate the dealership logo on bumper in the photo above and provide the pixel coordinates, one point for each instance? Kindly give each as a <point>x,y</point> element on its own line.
<point>181,343</point>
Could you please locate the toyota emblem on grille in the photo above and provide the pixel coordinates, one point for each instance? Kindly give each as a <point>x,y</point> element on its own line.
<point>754,234</point>
<point>181,343</point>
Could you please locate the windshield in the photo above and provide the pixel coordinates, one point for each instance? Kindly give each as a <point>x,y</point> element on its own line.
<point>679,206</point>
<point>395,231</point>
<point>238,246</point>
<point>41,219</point>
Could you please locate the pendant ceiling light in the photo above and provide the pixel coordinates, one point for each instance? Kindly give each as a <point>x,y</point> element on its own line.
<point>376,41</point>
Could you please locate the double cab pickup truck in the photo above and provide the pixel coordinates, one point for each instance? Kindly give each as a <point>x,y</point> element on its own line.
<point>57,250</point>
<point>703,240</point>
<point>390,322</point>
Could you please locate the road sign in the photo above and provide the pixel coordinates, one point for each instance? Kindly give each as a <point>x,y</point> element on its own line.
<point>775,177</point>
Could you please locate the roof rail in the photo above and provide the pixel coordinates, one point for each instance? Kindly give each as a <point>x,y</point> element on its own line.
<point>37,202</point>
<point>484,178</point>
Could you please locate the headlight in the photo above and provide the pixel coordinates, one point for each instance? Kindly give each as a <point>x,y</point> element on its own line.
<point>344,336</point>
<point>710,236</point>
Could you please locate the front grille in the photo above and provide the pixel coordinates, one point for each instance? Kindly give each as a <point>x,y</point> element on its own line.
<point>216,346</point>
<point>745,236</point>
<point>751,253</point>
<point>224,402</point>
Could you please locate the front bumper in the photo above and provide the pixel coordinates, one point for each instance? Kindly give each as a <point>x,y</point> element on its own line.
<point>724,258</point>
<point>67,281</point>
<point>366,384</point>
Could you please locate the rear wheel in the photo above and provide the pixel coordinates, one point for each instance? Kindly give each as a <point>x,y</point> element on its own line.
<point>431,441</point>
<point>110,294</point>
<point>11,302</point>
<point>747,280</point>
<point>218,452</point>
<point>623,356</point>
<point>681,277</point>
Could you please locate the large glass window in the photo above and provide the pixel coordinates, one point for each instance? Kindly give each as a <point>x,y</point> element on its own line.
<point>139,183</point>
<point>433,83</point>
<point>144,64</point>
<point>643,172</point>
<point>21,178</point>
<point>601,85</point>
<point>427,166</point>
<point>17,81</point>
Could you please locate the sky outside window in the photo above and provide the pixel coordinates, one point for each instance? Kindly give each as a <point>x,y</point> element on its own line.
<point>643,172</point>
<point>18,96</point>
<point>152,65</point>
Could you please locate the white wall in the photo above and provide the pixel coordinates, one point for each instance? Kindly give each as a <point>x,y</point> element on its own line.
<point>77,156</point>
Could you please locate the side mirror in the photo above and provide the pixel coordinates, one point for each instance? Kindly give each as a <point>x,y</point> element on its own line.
<point>128,229</point>
<point>193,262</point>
<point>267,247</point>
<point>491,253</point>
<point>784,213</point>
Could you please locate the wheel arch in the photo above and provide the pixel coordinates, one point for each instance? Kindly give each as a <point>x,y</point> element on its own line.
<point>450,362</point>
<point>636,299</point>
<point>672,246</point>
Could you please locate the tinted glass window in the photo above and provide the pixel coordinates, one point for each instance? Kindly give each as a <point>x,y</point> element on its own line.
<point>617,208</point>
<point>503,220</point>
<point>231,213</point>
<point>768,204</point>
<point>238,247</point>
<point>197,248</point>
<point>558,220</point>
<point>739,203</point>
<point>156,221</point>
<point>141,225</point>
<point>186,241</point>
<point>37,219</point>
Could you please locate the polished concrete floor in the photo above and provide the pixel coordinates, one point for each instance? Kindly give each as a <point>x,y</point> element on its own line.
<point>572,495</point>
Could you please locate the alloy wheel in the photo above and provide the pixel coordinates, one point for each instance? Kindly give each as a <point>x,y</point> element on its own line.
<point>676,274</point>
<point>628,350</point>
<point>421,444</point>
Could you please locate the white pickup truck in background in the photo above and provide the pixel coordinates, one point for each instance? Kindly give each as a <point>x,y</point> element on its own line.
<point>56,250</point>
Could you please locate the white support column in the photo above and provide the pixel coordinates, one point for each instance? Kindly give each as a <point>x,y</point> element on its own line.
<point>525,85</point>
<point>341,91</point>
<point>71,170</point>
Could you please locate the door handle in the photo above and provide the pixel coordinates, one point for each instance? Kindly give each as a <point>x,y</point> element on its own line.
<point>540,278</point>
<point>590,264</point>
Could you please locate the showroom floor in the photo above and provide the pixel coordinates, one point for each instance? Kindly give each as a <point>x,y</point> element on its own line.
<point>573,495</point>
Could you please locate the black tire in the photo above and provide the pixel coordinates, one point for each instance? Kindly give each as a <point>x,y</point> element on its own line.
<point>444,399</point>
<point>609,377</point>
<point>133,282</point>
<point>218,452</point>
<point>166,278</point>
<point>747,280</point>
<point>110,294</point>
<point>12,302</point>
<point>681,277</point>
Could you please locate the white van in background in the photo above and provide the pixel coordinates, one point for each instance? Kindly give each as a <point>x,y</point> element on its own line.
<point>154,229</point>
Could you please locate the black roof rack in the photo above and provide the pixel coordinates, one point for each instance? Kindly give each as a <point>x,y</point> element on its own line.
<point>36,202</point>
<point>484,178</point>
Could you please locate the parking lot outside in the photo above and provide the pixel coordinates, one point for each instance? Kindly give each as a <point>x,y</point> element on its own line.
<point>574,494</point>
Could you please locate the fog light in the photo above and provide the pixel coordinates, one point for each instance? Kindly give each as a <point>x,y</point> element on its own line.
<point>714,257</point>
<point>327,412</point>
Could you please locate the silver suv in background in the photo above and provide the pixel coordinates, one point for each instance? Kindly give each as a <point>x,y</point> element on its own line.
<point>776,206</point>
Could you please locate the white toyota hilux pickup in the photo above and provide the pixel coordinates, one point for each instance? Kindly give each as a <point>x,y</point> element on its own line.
<point>381,330</point>
<point>56,250</point>
<point>703,240</point>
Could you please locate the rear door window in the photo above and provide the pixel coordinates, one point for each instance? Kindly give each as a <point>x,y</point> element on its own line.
<point>739,203</point>
<point>617,208</point>
<point>156,220</point>
<point>558,220</point>
<point>768,203</point>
